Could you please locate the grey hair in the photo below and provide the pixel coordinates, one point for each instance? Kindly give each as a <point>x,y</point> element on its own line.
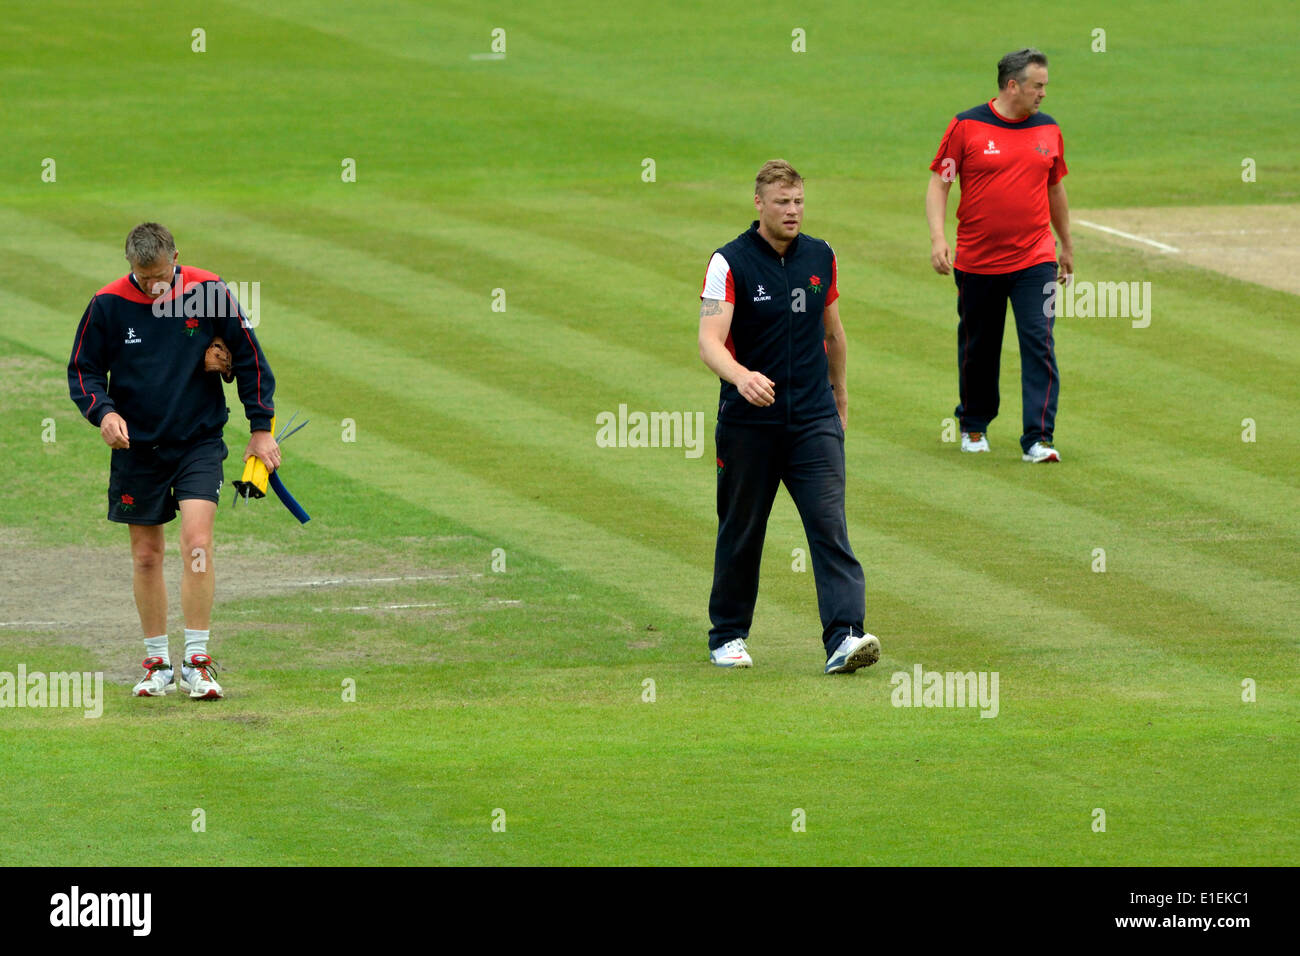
<point>149,242</point>
<point>1012,66</point>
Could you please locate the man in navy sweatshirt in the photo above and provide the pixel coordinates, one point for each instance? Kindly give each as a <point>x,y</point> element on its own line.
<point>137,373</point>
<point>770,330</point>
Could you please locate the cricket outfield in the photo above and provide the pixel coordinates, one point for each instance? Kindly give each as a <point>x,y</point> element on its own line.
<point>488,645</point>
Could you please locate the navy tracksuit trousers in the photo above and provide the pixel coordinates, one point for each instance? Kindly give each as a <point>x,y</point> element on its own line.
<point>753,460</point>
<point>982,313</point>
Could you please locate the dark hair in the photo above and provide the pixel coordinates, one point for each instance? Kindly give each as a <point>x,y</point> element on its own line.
<point>1012,66</point>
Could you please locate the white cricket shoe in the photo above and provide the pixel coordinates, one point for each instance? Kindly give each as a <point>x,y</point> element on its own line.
<point>198,676</point>
<point>854,652</point>
<point>732,654</point>
<point>1041,451</point>
<point>159,679</point>
<point>974,441</point>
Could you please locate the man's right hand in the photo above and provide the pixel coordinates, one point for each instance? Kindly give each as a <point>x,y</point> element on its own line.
<point>941,256</point>
<point>757,389</point>
<point>113,429</point>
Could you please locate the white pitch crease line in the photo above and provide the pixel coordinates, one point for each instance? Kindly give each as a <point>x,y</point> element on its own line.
<point>409,577</point>
<point>1233,232</point>
<point>487,56</point>
<point>1127,235</point>
<point>377,607</point>
<point>389,607</point>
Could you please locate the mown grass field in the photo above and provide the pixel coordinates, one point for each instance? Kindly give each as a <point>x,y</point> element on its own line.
<point>524,690</point>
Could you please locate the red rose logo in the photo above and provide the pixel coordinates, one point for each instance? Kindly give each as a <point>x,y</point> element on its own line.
<point>191,323</point>
<point>814,280</point>
<point>128,500</point>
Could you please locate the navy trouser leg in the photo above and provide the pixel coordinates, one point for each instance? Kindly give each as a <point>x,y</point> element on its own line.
<point>814,476</point>
<point>751,459</point>
<point>1040,382</point>
<point>982,315</point>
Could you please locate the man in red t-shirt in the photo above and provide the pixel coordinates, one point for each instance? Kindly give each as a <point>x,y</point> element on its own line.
<point>1011,160</point>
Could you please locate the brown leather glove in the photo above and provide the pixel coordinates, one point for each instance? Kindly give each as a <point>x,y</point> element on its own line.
<point>218,359</point>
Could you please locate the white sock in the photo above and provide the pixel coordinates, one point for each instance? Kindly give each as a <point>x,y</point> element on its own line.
<point>196,642</point>
<point>157,647</point>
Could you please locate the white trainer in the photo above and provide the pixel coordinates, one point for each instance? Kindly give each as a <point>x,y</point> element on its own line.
<point>1041,451</point>
<point>732,654</point>
<point>861,650</point>
<point>198,676</point>
<point>159,679</point>
<point>974,441</point>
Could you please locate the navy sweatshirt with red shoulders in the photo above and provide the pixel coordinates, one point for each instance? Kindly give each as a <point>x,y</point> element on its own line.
<point>143,359</point>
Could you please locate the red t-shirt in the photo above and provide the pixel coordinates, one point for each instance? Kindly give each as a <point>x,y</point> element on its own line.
<point>1004,221</point>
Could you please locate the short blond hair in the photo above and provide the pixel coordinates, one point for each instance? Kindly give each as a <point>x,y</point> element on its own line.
<point>776,171</point>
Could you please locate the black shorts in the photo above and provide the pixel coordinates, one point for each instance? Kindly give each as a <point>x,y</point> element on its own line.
<point>146,481</point>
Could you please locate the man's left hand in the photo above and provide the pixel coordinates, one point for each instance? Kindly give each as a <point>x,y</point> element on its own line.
<point>264,446</point>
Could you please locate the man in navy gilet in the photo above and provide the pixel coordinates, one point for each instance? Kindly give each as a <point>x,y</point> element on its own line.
<point>770,329</point>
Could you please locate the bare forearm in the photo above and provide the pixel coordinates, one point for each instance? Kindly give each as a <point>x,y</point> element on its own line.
<point>837,354</point>
<point>936,206</point>
<point>721,362</point>
<point>1060,210</point>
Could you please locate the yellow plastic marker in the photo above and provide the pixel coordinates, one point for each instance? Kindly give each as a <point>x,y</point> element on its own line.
<point>256,475</point>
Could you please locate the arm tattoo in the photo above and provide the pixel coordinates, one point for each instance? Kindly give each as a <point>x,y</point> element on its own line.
<point>710,307</point>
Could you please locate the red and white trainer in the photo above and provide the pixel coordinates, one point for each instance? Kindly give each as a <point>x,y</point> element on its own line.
<point>198,676</point>
<point>159,679</point>
<point>1041,452</point>
<point>732,654</point>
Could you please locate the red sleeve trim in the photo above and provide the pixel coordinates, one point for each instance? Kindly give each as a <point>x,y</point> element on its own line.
<point>251,344</point>
<point>717,283</point>
<point>90,309</point>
